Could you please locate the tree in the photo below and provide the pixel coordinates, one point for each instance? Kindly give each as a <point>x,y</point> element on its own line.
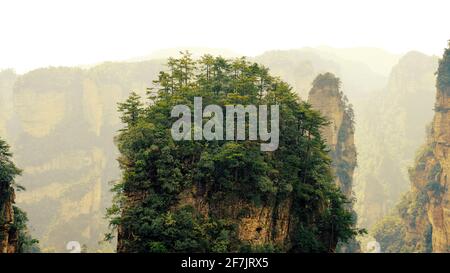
<point>131,109</point>
<point>157,171</point>
<point>13,227</point>
<point>443,72</point>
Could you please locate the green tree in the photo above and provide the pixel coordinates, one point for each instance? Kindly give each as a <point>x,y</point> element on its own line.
<point>443,73</point>
<point>17,225</point>
<point>158,171</point>
<point>131,109</point>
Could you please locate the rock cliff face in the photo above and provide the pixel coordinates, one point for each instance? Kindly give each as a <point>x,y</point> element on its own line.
<point>8,236</point>
<point>362,71</point>
<point>389,129</point>
<point>438,207</point>
<point>284,200</point>
<point>61,123</point>
<point>261,225</point>
<point>430,175</point>
<point>326,97</point>
<point>269,224</point>
<point>424,211</point>
<point>9,223</point>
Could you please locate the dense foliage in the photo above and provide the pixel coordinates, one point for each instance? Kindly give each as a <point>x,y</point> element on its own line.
<point>8,172</point>
<point>443,73</point>
<point>392,231</point>
<point>157,170</point>
<point>25,243</point>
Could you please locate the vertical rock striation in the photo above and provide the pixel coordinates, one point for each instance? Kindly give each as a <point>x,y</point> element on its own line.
<point>430,176</point>
<point>8,235</point>
<point>326,97</point>
<point>424,211</point>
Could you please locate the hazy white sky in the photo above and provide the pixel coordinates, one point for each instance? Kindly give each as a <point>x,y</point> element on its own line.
<point>72,32</point>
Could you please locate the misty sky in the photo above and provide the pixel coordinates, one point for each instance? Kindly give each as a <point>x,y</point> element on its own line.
<point>73,32</point>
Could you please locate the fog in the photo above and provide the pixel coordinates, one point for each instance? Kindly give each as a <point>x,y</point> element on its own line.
<point>67,33</point>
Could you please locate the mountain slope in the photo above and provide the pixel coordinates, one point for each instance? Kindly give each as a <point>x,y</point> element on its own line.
<point>424,213</point>
<point>389,128</point>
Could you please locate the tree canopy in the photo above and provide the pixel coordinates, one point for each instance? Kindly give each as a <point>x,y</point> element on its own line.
<point>156,170</point>
<point>17,225</point>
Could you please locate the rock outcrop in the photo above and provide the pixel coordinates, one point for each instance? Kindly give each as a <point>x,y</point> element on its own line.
<point>269,224</point>
<point>61,122</point>
<point>430,176</point>
<point>8,235</point>
<point>326,97</point>
<point>389,129</point>
<point>425,210</point>
<point>285,200</point>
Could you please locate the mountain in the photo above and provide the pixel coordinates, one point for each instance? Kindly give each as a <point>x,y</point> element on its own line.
<point>421,220</point>
<point>61,123</point>
<point>14,236</point>
<point>389,128</point>
<point>62,131</point>
<point>326,97</point>
<point>223,195</point>
<point>378,60</point>
<point>299,67</point>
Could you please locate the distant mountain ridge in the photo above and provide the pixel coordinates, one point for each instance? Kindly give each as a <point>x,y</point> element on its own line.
<point>72,132</point>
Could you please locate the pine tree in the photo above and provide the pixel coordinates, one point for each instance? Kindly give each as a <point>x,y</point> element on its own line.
<point>443,72</point>
<point>156,169</point>
<point>131,109</point>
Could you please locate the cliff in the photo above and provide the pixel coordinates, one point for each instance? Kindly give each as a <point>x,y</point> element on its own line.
<point>266,227</point>
<point>362,70</point>
<point>423,223</point>
<point>389,129</point>
<point>226,196</point>
<point>61,122</point>
<point>430,176</point>
<point>326,97</point>
<point>8,235</point>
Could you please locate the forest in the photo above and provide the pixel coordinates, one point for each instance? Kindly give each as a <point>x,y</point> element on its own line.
<point>353,166</point>
<point>175,196</point>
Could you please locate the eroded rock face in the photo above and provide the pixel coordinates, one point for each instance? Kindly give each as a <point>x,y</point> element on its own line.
<point>438,209</point>
<point>8,236</point>
<point>62,123</point>
<point>326,97</point>
<point>257,225</point>
<point>430,226</point>
<point>390,127</point>
<point>269,224</point>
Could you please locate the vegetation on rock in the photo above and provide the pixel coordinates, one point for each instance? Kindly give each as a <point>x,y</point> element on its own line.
<point>151,210</point>
<point>14,236</point>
